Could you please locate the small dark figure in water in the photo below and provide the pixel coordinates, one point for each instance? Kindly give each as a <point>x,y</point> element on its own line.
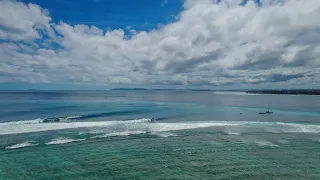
<point>50,120</point>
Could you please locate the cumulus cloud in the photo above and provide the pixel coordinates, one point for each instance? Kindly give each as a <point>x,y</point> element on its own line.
<point>22,22</point>
<point>211,43</point>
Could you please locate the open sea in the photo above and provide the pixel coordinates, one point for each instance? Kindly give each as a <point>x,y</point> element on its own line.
<point>153,135</point>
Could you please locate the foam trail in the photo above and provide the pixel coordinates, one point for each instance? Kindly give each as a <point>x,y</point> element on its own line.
<point>63,141</point>
<point>21,145</point>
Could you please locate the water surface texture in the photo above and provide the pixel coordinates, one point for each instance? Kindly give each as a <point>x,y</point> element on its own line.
<point>158,135</point>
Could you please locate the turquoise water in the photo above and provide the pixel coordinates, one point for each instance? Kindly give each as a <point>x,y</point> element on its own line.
<point>196,135</point>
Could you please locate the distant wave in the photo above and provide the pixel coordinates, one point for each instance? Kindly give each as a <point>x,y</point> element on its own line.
<point>63,141</point>
<point>34,121</point>
<point>232,92</point>
<point>127,133</point>
<point>105,114</point>
<point>79,117</point>
<point>40,120</point>
<point>21,145</point>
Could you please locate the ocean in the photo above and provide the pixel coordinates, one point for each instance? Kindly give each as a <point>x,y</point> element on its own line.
<point>69,135</point>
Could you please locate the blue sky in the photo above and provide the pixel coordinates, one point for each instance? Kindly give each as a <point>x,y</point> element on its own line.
<point>217,44</point>
<point>115,14</point>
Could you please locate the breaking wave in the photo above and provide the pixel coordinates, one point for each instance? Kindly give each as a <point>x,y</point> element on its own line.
<point>266,143</point>
<point>21,145</point>
<point>27,127</point>
<point>63,141</point>
<point>303,128</point>
<point>233,133</point>
<point>35,121</point>
<point>164,134</point>
<point>151,125</point>
<point>124,133</point>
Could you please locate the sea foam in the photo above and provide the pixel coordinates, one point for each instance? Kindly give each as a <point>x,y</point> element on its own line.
<point>124,133</point>
<point>164,134</point>
<point>21,145</point>
<point>63,141</point>
<point>146,125</point>
<point>266,143</point>
<point>28,127</point>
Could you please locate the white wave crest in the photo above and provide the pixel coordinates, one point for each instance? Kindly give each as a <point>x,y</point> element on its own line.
<point>21,145</point>
<point>283,141</point>
<point>34,121</point>
<point>303,128</point>
<point>266,143</point>
<point>22,127</point>
<point>233,133</point>
<point>147,126</point>
<point>159,127</point>
<point>73,117</point>
<point>124,133</point>
<point>63,141</point>
<point>164,134</point>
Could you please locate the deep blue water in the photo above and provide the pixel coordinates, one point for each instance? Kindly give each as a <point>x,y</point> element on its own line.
<point>165,105</point>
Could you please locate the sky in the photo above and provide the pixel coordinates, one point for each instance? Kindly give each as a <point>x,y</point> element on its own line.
<point>216,44</point>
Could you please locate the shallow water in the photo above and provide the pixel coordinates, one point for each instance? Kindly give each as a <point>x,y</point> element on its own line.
<point>197,135</point>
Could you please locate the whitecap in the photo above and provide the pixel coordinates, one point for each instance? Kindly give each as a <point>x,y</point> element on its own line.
<point>164,134</point>
<point>303,128</point>
<point>233,133</point>
<point>34,121</point>
<point>63,141</point>
<point>21,145</point>
<point>266,143</point>
<point>74,117</point>
<point>283,141</point>
<point>125,133</point>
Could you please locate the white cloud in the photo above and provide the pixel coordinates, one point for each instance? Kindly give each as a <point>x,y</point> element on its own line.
<point>22,22</point>
<point>209,44</point>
